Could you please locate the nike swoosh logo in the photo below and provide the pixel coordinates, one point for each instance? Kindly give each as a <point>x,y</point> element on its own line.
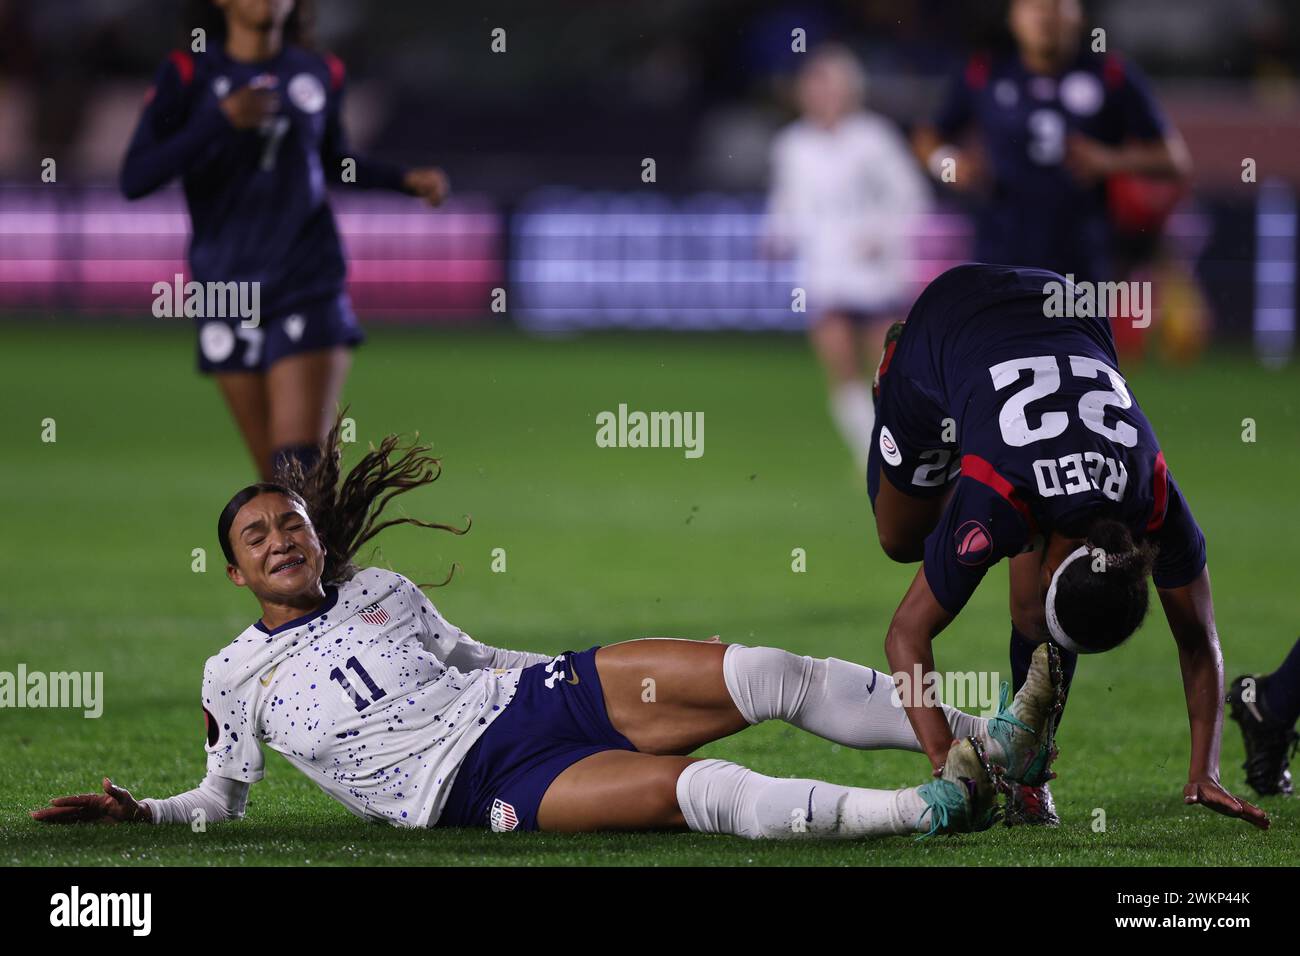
<point>872,686</point>
<point>266,681</point>
<point>573,680</point>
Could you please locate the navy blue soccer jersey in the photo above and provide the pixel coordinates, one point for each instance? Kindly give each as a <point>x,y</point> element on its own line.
<point>1026,421</point>
<point>1039,214</point>
<point>256,197</point>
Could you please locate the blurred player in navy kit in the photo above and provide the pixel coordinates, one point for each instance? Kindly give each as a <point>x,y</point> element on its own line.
<point>252,126</point>
<point>1056,122</point>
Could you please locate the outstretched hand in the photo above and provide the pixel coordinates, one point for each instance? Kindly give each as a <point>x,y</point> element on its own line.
<point>114,805</point>
<point>1212,796</point>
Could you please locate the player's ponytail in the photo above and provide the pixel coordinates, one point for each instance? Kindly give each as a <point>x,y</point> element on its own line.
<point>1099,594</point>
<point>346,512</point>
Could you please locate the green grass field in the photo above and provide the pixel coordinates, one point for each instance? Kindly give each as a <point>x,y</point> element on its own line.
<point>601,545</point>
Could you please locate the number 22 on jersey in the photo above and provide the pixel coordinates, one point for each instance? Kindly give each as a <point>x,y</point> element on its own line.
<point>1045,380</point>
<point>1103,473</point>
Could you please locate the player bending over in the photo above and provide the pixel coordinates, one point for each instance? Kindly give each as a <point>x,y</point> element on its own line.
<point>357,679</point>
<point>1003,432</point>
<point>253,128</point>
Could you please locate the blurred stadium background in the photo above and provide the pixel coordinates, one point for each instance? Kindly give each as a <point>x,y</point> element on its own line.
<point>544,146</point>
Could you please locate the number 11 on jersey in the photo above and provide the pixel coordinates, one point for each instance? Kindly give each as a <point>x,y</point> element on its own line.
<point>361,702</point>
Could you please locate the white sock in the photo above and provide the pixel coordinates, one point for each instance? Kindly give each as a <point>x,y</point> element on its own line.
<point>838,700</point>
<point>717,796</point>
<point>855,417</point>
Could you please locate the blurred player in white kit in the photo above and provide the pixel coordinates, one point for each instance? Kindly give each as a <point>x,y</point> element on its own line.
<point>845,196</point>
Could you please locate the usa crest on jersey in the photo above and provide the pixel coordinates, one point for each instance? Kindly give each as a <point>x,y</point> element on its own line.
<point>502,817</point>
<point>374,614</point>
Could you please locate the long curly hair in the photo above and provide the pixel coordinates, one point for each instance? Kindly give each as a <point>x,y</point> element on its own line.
<point>347,512</point>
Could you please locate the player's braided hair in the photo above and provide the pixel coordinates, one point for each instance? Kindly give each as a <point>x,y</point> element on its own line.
<point>346,513</point>
<point>1100,603</point>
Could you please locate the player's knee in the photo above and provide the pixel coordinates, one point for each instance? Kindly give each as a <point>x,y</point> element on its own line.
<point>766,683</point>
<point>899,547</point>
<point>663,805</point>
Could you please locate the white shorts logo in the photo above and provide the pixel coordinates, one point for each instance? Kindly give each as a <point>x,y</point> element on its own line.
<point>294,325</point>
<point>503,816</point>
<point>217,340</point>
<point>888,448</point>
<point>307,93</point>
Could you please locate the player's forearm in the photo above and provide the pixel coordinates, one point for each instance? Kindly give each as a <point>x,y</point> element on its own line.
<point>215,800</point>
<point>1166,159</point>
<point>912,659</point>
<point>909,650</point>
<point>1202,670</point>
<point>151,163</point>
<point>1190,612</point>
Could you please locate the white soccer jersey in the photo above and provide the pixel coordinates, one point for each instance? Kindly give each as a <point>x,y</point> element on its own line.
<point>375,697</point>
<point>847,200</point>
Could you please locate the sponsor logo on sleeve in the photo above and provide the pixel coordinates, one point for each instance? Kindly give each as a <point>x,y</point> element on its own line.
<point>974,544</point>
<point>889,448</point>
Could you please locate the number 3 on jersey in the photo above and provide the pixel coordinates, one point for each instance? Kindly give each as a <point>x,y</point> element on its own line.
<point>1045,379</point>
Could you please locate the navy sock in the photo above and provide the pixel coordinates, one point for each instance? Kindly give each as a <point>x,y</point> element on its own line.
<point>1022,655</point>
<point>306,455</point>
<point>1279,692</point>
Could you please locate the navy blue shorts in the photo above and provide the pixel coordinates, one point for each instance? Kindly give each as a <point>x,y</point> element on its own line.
<point>557,717</point>
<point>224,345</point>
<point>907,443</point>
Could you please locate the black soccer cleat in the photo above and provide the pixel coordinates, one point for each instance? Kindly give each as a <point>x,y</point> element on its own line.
<point>1267,758</point>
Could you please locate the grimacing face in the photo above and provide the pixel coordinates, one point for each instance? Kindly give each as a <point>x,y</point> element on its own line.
<point>277,554</point>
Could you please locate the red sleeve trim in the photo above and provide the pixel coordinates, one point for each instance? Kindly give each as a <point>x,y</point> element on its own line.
<point>184,64</point>
<point>1160,492</point>
<point>337,71</point>
<point>1112,71</point>
<point>977,71</point>
<point>976,468</point>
